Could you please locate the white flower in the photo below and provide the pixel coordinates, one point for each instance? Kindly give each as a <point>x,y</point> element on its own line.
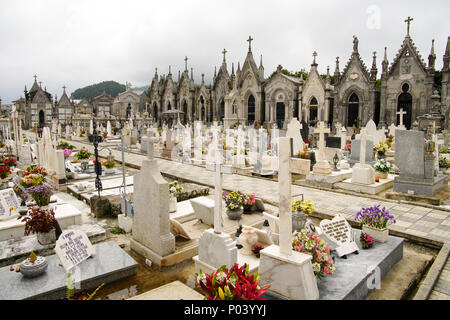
<point>201,278</point>
<point>309,245</point>
<point>220,276</point>
<point>316,267</point>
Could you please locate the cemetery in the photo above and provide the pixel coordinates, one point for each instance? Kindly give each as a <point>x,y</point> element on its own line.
<point>182,198</point>
<point>287,185</point>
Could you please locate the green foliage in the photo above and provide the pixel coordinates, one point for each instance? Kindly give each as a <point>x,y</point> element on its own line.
<point>117,230</point>
<point>296,74</point>
<point>378,83</point>
<point>110,87</point>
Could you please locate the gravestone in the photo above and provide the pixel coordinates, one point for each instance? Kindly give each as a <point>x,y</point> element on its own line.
<point>355,154</point>
<point>293,131</point>
<point>8,200</point>
<point>339,232</point>
<point>333,142</point>
<point>72,248</point>
<point>304,131</point>
<point>151,228</point>
<point>416,165</point>
<point>363,173</point>
<point>289,272</point>
<point>322,166</point>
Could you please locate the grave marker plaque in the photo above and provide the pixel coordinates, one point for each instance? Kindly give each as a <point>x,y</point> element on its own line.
<point>8,200</point>
<point>340,233</point>
<point>72,248</point>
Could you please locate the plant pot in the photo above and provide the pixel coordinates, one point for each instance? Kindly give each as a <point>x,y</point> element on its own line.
<point>84,165</point>
<point>173,204</point>
<point>380,235</point>
<point>235,214</point>
<point>31,270</point>
<point>109,170</point>
<point>382,175</point>
<point>380,156</point>
<point>47,238</point>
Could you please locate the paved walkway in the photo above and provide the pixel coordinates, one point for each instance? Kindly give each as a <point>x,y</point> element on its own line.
<point>414,222</point>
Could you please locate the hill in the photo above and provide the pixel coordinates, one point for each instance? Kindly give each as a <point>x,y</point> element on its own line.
<point>110,87</point>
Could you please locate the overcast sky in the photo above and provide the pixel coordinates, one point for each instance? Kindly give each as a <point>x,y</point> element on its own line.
<point>77,43</point>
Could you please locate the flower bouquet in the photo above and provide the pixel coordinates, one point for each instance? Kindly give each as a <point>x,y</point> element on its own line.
<point>249,202</point>
<point>231,284</point>
<point>174,190</point>
<point>234,202</point>
<point>65,145</point>
<point>375,222</point>
<point>83,154</point>
<point>380,148</point>
<point>33,177</point>
<point>382,167</point>
<point>311,244</point>
<point>366,240</point>
<point>67,152</point>
<point>5,171</point>
<point>41,194</point>
<point>10,162</point>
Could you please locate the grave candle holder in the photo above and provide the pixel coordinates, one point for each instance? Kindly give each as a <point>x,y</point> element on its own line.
<point>377,179</point>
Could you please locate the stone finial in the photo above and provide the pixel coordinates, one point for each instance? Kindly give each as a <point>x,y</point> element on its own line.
<point>232,69</point>
<point>203,78</point>
<point>192,73</point>
<point>432,56</point>
<point>355,43</point>
<point>408,22</point>
<point>261,63</point>
<point>224,52</point>
<point>185,62</point>
<point>314,59</point>
<point>279,68</point>
<point>249,40</point>
<point>169,70</point>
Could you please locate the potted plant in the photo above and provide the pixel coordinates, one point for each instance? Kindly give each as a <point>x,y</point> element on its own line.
<point>41,222</point>
<point>84,156</point>
<point>311,244</point>
<point>10,162</point>
<point>41,194</point>
<point>375,222</point>
<point>109,165</point>
<point>5,171</point>
<point>174,190</point>
<point>234,202</point>
<point>33,266</point>
<point>382,168</point>
<point>249,203</point>
<point>235,283</point>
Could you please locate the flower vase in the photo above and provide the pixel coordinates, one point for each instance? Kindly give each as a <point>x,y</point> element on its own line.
<point>298,220</point>
<point>31,270</point>
<point>380,156</point>
<point>382,175</point>
<point>380,235</point>
<point>47,238</point>
<point>84,165</point>
<point>248,240</point>
<point>172,204</point>
<point>235,214</point>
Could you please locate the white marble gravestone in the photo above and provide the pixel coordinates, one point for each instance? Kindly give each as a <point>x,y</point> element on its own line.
<point>72,248</point>
<point>363,173</point>
<point>322,166</point>
<point>289,272</point>
<point>293,131</point>
<point>151,227</point>
<point>340,233</point>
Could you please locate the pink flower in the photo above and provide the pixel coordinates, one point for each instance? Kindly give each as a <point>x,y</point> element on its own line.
<point>67,152</point>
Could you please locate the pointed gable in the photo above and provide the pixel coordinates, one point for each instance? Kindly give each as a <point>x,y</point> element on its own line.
<point>407,50</point>
<point>64,101</point>
<point>249,67</point>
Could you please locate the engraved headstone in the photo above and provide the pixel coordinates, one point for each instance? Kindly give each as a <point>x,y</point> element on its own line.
<point>340,233</point>
<point>72,248</point>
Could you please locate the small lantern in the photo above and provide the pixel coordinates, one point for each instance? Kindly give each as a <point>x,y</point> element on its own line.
<point>335,162</point>
<point>298,219</point>
<point>377,179</point>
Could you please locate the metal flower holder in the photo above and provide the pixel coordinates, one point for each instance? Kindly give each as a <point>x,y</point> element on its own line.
<point>299,218</point>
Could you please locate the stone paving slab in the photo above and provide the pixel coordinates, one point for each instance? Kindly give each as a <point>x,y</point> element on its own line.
<point>323,200</point>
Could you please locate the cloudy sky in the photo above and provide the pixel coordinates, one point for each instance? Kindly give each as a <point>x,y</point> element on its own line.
<point>78,43</point>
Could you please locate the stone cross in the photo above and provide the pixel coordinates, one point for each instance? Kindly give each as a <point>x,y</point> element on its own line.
<point>321,130</point>
<point>284,193</point>
<point>249,40</point>
<point>150,148</point>
<point>35,77</point>
<point>362,151</point>
<point>408,21</point>
<point>224,52</point>
<point>218,169</point>
<point>401,113</point>
<point>185,62</point>
<point>64,87</point>
<point>314,55</point>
